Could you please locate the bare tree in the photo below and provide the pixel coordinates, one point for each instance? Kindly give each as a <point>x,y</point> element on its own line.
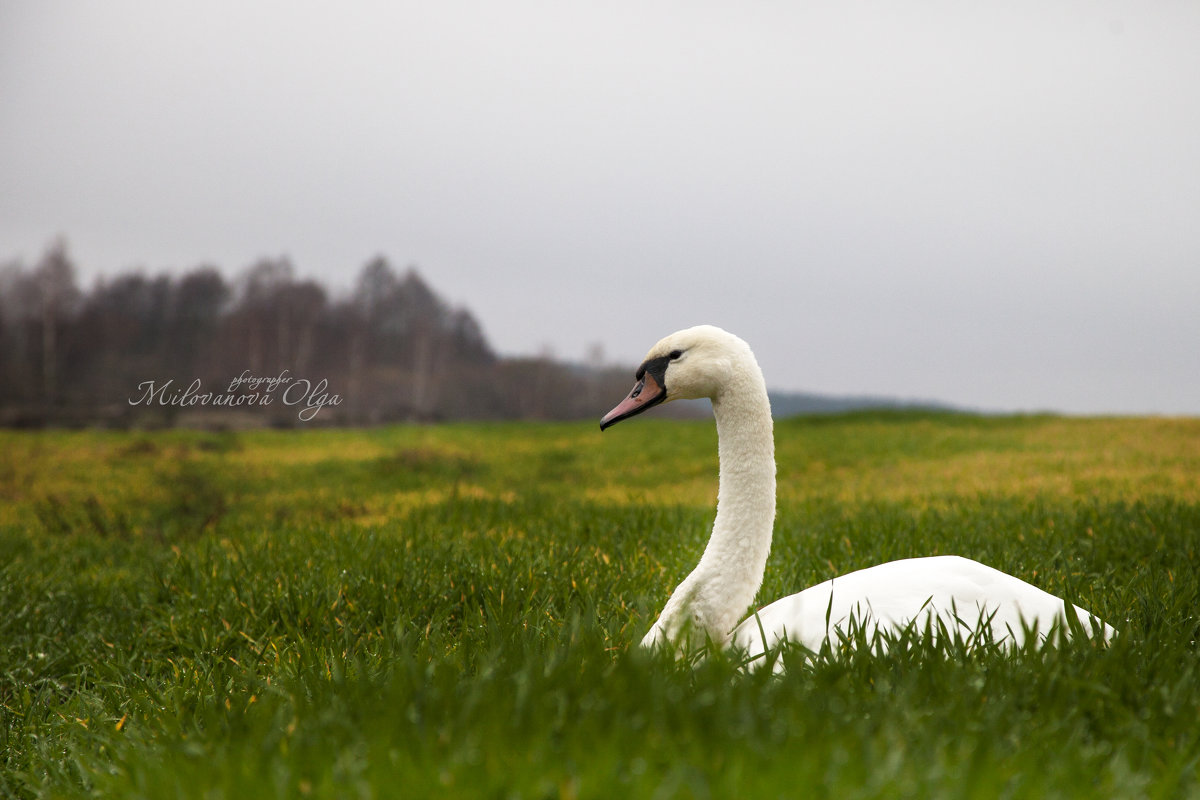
<point>57,298</point>
<point>261,324</point>
<point>19,315</point>
<point>303,304</point>
<point>199,300</point>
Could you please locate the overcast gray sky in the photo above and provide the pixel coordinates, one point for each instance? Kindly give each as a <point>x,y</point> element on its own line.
<point>994,204</point>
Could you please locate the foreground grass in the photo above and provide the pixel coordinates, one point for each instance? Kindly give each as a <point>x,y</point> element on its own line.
<point>449,612</point>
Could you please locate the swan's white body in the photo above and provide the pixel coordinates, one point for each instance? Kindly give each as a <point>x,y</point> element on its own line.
<point>956,592</point>
<point>971,599</point>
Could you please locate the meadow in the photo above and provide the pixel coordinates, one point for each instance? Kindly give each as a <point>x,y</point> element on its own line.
<point>451,612</point>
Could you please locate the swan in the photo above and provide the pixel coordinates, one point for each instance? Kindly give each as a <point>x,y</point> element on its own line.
<point>962,595</point>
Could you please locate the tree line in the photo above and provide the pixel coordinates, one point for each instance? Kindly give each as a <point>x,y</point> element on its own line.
<point>265,348</point>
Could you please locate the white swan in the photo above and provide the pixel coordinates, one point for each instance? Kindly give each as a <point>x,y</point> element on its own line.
<point>706,361</point>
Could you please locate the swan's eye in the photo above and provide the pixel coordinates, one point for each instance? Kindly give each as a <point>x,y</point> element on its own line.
<point>675,354</point>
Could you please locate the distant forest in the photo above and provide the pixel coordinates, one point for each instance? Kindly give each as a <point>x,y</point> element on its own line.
<point>263,349</point>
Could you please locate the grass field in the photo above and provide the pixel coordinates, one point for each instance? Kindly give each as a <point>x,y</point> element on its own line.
<point>449,612</point>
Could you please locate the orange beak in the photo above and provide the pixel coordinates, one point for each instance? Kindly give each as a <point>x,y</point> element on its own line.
<point>645,394</point>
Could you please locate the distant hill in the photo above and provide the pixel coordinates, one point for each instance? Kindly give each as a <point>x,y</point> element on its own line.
<point>791,404</point>
<point>795,404</point>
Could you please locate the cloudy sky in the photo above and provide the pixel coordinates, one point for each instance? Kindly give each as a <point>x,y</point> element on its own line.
<point>994,204</point>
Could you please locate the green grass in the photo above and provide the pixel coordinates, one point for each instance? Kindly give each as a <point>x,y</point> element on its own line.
<point>449,612</point>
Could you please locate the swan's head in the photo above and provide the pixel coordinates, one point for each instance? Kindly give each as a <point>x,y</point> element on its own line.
<point>688,364</point>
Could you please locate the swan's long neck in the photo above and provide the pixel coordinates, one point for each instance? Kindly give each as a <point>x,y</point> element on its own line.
<point>712,599</point>
<point>736,555</point>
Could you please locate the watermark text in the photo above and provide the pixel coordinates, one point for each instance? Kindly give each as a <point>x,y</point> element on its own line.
<point>245,391</point>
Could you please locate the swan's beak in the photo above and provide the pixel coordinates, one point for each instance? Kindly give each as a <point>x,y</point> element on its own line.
<point>647,393</point>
